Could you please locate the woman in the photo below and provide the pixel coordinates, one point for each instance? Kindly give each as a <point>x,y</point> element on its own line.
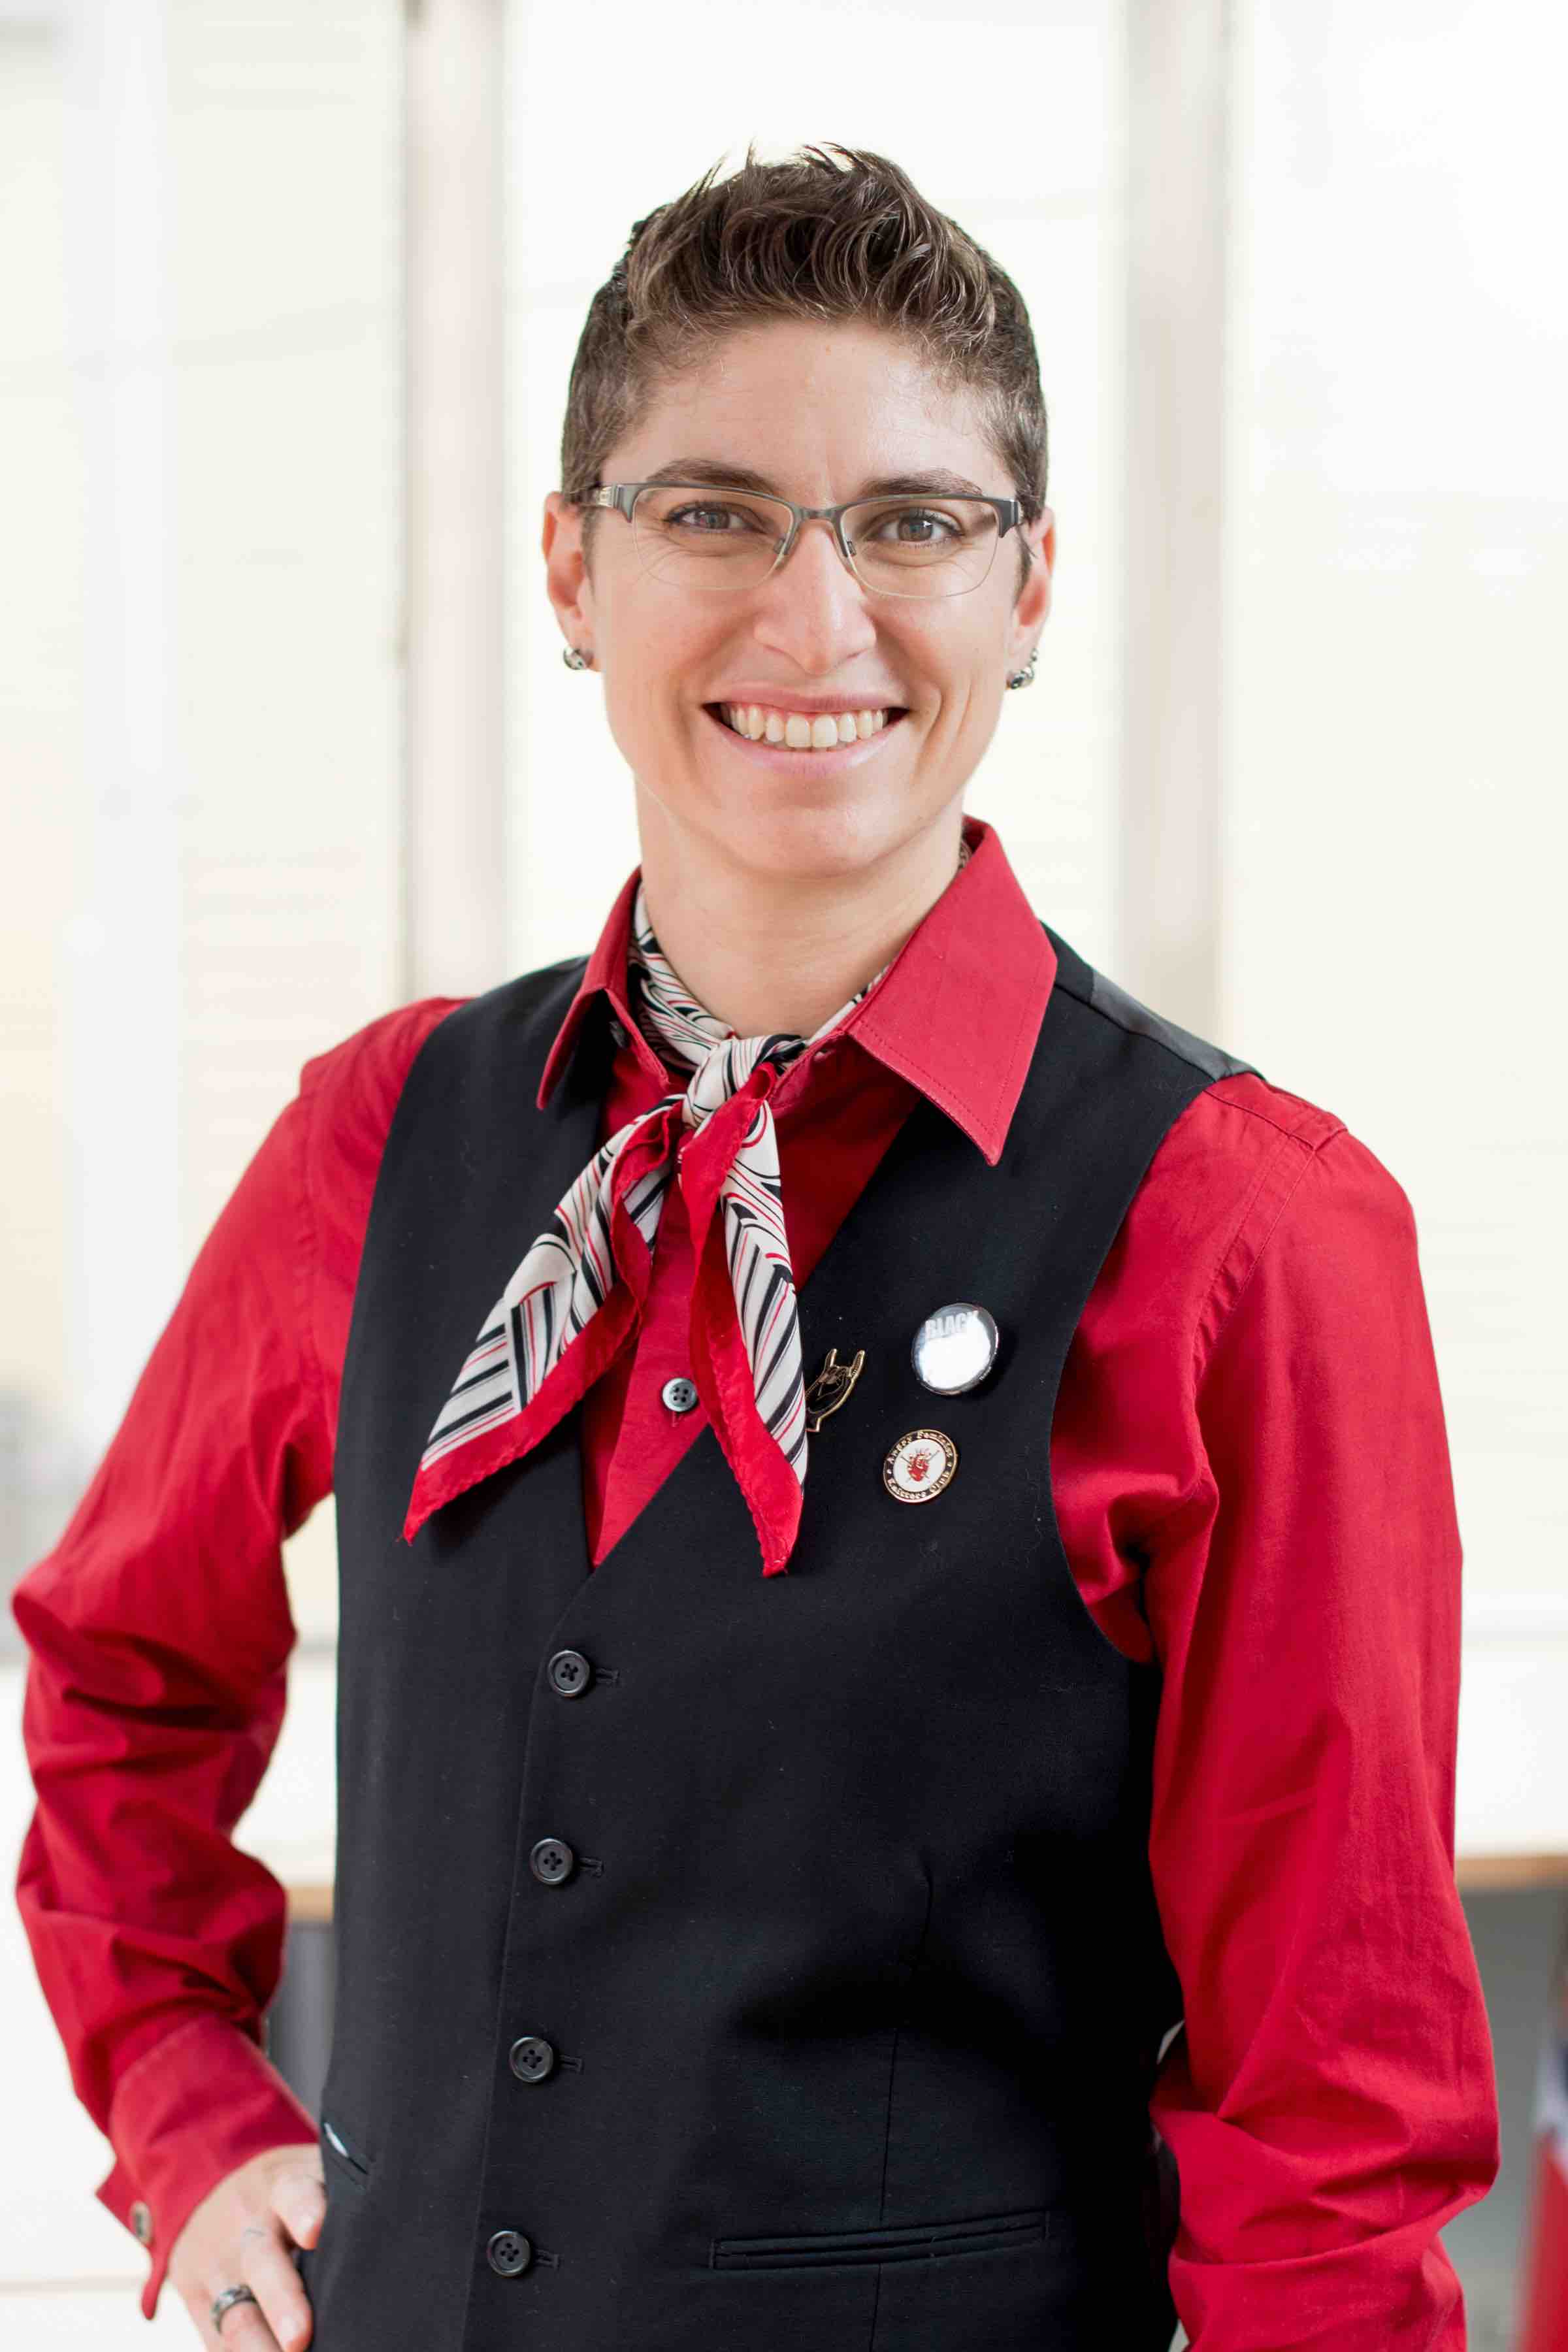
<point>951,1744</point>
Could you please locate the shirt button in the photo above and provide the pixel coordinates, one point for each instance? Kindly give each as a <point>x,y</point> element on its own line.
<point>530,2058</point>
<point>569,1674</point>
<point>679,1395</point>
<point>142,2222</point>
<point>551,1860</point>
<point>509,2253</point>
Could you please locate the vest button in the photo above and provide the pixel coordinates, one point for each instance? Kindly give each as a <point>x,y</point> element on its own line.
<point>551,1860</point>
<point>679,1395</point>
<point>142,2220</point>
<point>532,2058</point>
<point>569,1674</point>
<point>509,2253</point>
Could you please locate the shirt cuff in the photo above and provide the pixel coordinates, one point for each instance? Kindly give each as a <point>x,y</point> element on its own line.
<point>185,2113</point>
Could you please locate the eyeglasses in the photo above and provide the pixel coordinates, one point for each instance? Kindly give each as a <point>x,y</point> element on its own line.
<point>696,536</point>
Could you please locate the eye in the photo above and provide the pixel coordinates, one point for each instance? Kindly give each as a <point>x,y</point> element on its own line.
<point>919,517</point>
<point>680,520</point>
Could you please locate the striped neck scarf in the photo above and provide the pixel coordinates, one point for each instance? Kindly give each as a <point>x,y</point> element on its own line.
<point>580,1286</point>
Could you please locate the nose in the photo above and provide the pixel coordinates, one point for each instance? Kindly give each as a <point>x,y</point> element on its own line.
<point>811,607</point>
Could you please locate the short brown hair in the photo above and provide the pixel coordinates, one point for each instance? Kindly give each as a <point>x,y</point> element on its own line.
<point>804,239</point>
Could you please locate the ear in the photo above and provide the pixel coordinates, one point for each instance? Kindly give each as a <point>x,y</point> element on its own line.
<point>567,579</point>
<point>1033,608</point>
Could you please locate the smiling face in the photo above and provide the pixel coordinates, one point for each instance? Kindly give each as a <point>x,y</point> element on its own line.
<point>820,411</point>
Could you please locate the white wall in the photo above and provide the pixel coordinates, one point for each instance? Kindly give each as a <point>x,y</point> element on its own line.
<point>200,681</point>
<point>1396,753</point>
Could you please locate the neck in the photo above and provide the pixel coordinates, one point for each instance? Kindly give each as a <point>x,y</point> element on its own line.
<point>765,951</point>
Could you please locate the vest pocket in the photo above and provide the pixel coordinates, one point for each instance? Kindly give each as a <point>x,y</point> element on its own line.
<point>912,2242</point>
<point>350,2162</point>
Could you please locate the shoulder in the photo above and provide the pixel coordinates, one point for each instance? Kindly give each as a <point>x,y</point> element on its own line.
<point>352,1087</point>
<point>349,1093</point>
<point>1308,1222</point>
<point>1289,1232</point>
<point>1251,1176</point>
<point>1234,1119</point>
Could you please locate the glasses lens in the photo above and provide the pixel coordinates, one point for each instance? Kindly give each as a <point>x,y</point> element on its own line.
<point>696,538</point>
<point>693,537</point>
<point>939,547</point>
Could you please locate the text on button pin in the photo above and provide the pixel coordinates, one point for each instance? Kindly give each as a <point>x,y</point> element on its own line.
<point>956,1348</point>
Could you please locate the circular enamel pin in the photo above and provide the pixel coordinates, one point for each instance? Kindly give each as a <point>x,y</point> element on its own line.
<point>920,1465</point>
<point>956,1348</point>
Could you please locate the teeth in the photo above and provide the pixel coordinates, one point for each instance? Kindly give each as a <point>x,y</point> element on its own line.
<point>815,732</point>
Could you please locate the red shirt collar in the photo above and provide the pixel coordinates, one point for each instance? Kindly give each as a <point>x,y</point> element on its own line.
<point>957,1012</point>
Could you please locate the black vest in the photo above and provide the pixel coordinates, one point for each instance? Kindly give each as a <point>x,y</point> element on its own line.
<point>729,1963</point>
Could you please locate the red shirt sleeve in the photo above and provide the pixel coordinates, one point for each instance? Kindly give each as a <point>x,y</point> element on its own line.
<point>1330,2101</point>
<point>159,1630</point>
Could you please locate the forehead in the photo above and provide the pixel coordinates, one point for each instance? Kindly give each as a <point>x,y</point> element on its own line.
<point>812,410</point>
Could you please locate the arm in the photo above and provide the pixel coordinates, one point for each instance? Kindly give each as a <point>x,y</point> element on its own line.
<point>1331,2103</point>
<point>159,1630</point>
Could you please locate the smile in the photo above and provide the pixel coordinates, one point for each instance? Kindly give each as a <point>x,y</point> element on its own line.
<point>839,751</point>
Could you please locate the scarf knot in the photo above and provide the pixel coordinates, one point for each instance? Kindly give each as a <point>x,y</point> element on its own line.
<point>575,1295</point>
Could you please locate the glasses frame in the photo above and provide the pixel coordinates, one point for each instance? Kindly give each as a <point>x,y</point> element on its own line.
<point>622,497</point>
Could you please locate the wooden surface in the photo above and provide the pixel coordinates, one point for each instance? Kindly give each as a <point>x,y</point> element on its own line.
<point>310,1903</point>
<point>1485,1873</point>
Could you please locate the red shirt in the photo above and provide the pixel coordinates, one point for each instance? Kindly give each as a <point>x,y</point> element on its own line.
<point>1251,1478</point>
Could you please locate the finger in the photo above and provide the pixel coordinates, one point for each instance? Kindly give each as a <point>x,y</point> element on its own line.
<point>299,2200</point>
<point>243,2328</point>
<point>285,2306</point>
<point>280,2320</point>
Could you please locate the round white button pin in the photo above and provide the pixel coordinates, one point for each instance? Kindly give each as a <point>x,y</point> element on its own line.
<point>956,1348</point>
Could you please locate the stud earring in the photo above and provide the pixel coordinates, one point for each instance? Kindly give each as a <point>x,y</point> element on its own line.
<point>1026,676</point>
<point>574,659</point>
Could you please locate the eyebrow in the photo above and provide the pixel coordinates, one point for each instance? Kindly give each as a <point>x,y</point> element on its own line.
<point>938,482</point>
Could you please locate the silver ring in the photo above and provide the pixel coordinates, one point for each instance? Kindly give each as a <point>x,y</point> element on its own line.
<point>225,2302</point>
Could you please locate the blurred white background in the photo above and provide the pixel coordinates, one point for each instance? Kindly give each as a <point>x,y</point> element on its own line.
<point>288,295</point>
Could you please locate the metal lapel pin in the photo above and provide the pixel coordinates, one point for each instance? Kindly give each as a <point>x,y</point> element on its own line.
<point>920,1465</point>
<point>831,1385</point>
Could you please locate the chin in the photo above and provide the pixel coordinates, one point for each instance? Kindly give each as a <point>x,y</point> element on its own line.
<point>815,843</point>
<point>769,825</point>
